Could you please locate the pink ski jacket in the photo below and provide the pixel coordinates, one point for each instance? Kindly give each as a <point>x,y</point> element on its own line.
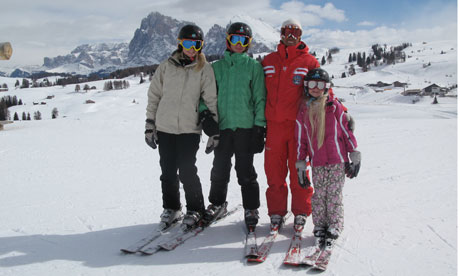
<point>338,138</point>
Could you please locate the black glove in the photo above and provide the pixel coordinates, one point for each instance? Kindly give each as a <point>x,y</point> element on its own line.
<point>210,126</point>
<point>301,166</point>
<point>258,139</point>
<point>352,169</point>
<point>213,142</point>
<point>151,136</point>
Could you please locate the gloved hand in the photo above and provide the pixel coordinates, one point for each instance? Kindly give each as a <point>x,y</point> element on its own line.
<point>213,142</point>
<point>210,126</point>
<point>151,136</point>
<point>301,166</point>
<point>352,168</point>
<point>351,122</point>
<point>258,139</point>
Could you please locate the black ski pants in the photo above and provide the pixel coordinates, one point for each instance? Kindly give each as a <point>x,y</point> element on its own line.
<point>234,142</point>
<point>178,153</point>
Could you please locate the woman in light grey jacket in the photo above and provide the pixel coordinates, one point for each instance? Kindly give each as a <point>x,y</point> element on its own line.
<point>173,123</point>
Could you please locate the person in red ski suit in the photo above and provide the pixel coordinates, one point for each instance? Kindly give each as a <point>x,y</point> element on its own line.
<point>284,71</point>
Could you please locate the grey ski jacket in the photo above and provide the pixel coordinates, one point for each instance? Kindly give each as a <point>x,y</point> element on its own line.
<point>175,91</point>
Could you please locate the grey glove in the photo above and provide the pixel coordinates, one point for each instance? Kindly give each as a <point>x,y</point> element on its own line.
<point>352,168</point>
<point>351,122</point>
<point>213,142</point>
<point>151,136</point>
<point>301,166</point>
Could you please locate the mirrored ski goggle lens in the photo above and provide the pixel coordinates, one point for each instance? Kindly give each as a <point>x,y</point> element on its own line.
<point>235,39</point>
<point>313,84</point>
<point>293,30</point>
<point>188,44</point>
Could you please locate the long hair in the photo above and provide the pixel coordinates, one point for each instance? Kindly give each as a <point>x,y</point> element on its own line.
<point>316,112</point>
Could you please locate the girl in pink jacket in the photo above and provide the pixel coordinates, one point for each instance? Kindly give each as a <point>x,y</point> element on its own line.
<point>323,135</point>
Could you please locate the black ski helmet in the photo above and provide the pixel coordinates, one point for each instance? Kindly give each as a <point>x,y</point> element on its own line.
<point>191,32</point>
<point>317,74</point>
<point>239,28</point>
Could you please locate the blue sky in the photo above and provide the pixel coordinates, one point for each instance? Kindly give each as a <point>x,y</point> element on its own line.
<point>388,12</point>
<point>48,28</point>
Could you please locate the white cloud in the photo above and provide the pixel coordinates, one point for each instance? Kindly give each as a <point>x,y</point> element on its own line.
<point>366,23</point>
<point>430,23</point>
<point>381,35</point>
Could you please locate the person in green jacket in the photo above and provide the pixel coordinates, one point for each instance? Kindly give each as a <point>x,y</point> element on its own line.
<point>241,99</point>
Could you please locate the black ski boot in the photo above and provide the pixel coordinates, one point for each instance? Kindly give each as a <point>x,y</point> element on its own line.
<point>251,218</point>
<point>214,212</point>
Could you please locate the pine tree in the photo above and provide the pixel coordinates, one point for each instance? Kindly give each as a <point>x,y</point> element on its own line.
<point>3,111</point>
<point>329,58</point>
<point>28,116</point>
<point>16,116</point>
<point>77,88</point>
<point>24,116</point>
<point>37,115</point>
<point>25,83</point>
<point>359,60</point>
<point>86,88</point>
<point>54,113</point>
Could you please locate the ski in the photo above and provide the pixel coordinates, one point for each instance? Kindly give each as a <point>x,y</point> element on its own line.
<point>160,231</point>
<point>312,255</point>
<point>250,246</point>
<point>266,246</point>
<point>323,259</point>
<point>293,255</point>
<point>181,237</point>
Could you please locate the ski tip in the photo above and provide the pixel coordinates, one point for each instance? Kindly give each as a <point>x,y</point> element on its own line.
<point>292,264</point>
<point>254,260</point>
<point>126,251</point>
<point>319,268</point>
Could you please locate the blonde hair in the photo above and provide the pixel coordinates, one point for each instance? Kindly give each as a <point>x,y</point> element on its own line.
<point>317,118</point>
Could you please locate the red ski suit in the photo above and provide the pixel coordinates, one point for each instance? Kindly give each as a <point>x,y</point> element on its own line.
<point>285,70</point>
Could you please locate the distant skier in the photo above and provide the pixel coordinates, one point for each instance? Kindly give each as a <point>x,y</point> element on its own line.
<point>284,73</point>
<point>324,136</point>
<point>241,105</point>
<point>173,123</point>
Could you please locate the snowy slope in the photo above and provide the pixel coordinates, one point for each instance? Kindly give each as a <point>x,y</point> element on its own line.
<point>76,189</point>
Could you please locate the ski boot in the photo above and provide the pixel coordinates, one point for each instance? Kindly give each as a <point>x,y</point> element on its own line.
<point>320,235</point>
<point>299,223</point>
<point>331,236</point>
<point>251,218</point>
<point>191,221</point>
<point>169,217</point>
<point>276,222</point>
<point>214,212</point>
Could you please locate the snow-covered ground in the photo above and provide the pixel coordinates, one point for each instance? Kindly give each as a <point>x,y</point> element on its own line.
<point>76,189</point>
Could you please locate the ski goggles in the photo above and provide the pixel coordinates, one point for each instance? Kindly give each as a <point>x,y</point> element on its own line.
<point>292,30</point>
<point>187,44</point>
<point>312,84</point>
<point>241,39</point>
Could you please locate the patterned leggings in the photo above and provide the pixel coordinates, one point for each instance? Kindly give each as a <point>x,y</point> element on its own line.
<point>327,199</point>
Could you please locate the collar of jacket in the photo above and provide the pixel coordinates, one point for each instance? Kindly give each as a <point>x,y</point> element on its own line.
<point>199,61</point>
<point>292,51</point>
<point>235,58</point>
